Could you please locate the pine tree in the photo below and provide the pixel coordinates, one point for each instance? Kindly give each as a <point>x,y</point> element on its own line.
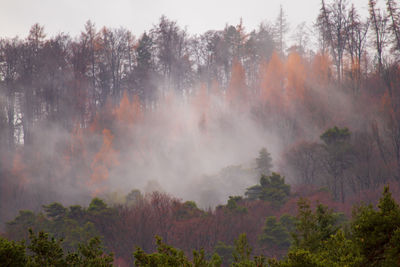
<point>264,162</point>
<point>274,234</point>
<point>271,188</point>
<point>377,232</point>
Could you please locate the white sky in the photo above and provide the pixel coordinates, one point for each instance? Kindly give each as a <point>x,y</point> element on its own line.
<point>69,16</point>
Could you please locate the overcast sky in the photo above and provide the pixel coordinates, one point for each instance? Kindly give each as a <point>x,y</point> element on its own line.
<point>69,16</point>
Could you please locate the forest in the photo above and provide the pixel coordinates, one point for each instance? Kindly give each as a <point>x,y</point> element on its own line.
<point>235,147</point>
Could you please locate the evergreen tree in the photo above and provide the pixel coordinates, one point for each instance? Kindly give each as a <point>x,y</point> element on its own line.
<point>377,232</point>
<point>12,253</point>
<point>167,255</point>
<point>314,227</point>
<point>47,251</point>
<point>275,234</point>
<point>264,162</point>
<point>225,252</point>
<point>271,188</point>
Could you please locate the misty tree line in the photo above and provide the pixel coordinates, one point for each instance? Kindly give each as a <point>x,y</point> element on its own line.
<point>66,81</point>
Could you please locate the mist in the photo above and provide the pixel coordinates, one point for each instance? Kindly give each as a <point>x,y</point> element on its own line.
<point>106,112</point>
<point>198,146</point>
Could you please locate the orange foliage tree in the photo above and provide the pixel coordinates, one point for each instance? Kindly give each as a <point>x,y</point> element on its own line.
<point>128,112</point>
<point>296,77</point>
<point>237,94</point>
<point>321,68</point>
<point>272,82</point>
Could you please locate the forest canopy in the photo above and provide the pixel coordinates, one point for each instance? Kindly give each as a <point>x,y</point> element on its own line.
<point>207,141</point>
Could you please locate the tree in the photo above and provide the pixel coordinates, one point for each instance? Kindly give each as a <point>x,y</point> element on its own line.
<point>318,241</point>
<point>379,26</point>
<point>233,204</point>
<point>338,158</point>
<point>91,37</point>
<point>339,250</point>
<point>377,231</point>
<point>237,92</point>
<point>97,205</point>
<point>275,235</point>
<point>264,162</point>
<point>271,188</point>
<point>230,50</point>
<point>172,54</point>
<point>144,70</point>
<point>242,252</point>
<point>332,23</point>
<point>55,211</point>
<point>24,220</point>
<point>225,252</point>
<point>394,16</point>
<point>281,28</point>
<point>167,255</point>
<point>336,251</point>
<point>133,197</point>
<point>297,258</point>
<point>85,60</point>
<point>356,34</point>
<point>304,160</point>
<point>258,48</point>
<point>301,37</point>
<point>10,53</point>
<point>90,254</point>
<point>31,64</point>
<point>114,58</point>
<point>313,227</point>
<point>46,251</point>
<point>12,253</point>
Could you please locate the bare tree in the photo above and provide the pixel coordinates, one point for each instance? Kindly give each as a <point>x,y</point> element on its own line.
<point>301,36</point>
<point>30,69</point>
<point>281,28</point>
<point>304,160</point>
<point>90,39</point>
<point>379,25</point>
<point>172,53</point>
<point>394,16</point>
<point>10,52</point>
<point>356,35</point>
<point>332,22</point>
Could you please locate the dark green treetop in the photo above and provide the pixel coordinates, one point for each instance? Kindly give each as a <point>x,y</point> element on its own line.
<point>264,162</point>
<point>275,234</point>
<point>377,232</point>
<point>271,188</point>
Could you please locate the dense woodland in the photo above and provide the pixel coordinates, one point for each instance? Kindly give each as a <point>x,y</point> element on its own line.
<point>215,142</point>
